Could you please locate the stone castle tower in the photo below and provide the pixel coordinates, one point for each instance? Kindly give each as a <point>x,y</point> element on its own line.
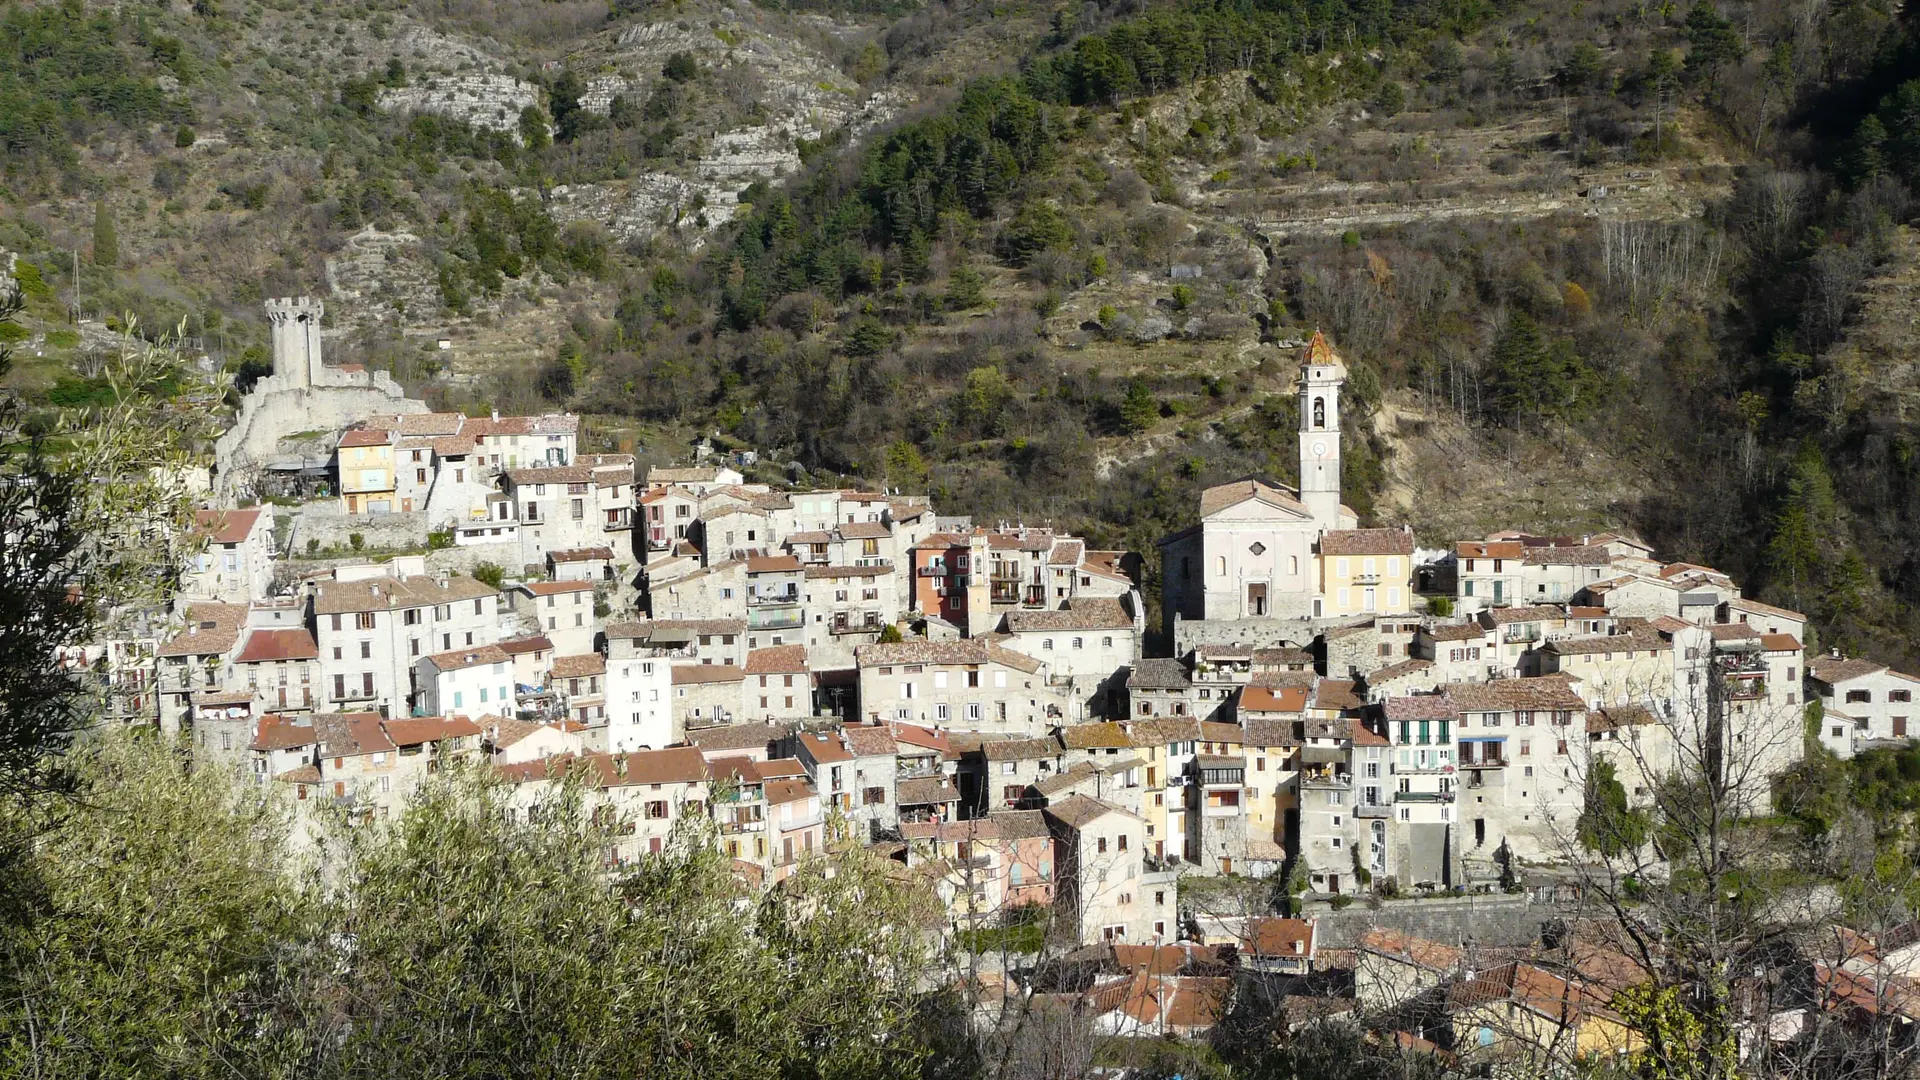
<point>296,339</point>
<point>1321,376</point>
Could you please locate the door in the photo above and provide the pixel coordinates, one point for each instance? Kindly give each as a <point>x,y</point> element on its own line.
<point>1333,884</point>
<point>1479,832</point>
<point>1499,592</point>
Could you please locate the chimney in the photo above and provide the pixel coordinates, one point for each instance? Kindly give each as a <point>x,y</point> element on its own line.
<point>496,416</point>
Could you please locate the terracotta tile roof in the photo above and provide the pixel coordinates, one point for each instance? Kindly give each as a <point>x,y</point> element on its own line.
<point>1366,736</point>
<point>1034,540</point>
<point>1453,632</point>
<point>363,437</point>
<point>1224,652</point>
<point>809,536</point>
<point>1292,699</point>
<point>1282,656</point>
<point>1066,553</point>
<point>580,666</point>
<point>1505,695</point>
<point>778,660</point>
<point>226,526</point>
<point>1831,670</point>
<point>1019,749</point>
<point>1335,694</point>
<point>1529,987</point>
<point>698,474</point>
<point>1568,555</point>
<point>1020,824</point>
<point>931,790</point>
<point>698,627</point>
<point>551,474</point>
<point>1758,608</point>
<point>425,729</point>
<point>869,740</point>
<point>520,646</point>
<point>1282,733</point>
<point>673,765</point>
<point>1367,542</point>
<point>1280,937</point>
<point>1489,549</point>
<point>211,629</point>
<point>696,674</point>
<point>1779,643</point>
<point>1420,707</point>
<point>824,747</point>
<point>1506,616</point>
<point>351,734</point>
<point>1078,811</point>
<point>772,564</point>
<point>735,737</point>
<point>1094,736</point>
<point>304,774</point>
<point>940,541</point>
<point>1157,673</point>
<point>816,572</point>
<point>1084,613</point>
<point>1590,644</point>
<point>276,732</point>
<point>779,792</point>
<point>964,651</point>
<point>266,646</point>
<point>1213,731</point>
<point>1408,949</point>
<point>1400,670</point>
<point>922,738</point>
<point>461,659</point>
<point>1226,496</point>
<point>388,594</point>
<point>1732,632</point>
<point>862,530</point>
<point>585,554</point>
<point>555,588</point>
<point>447,423</point>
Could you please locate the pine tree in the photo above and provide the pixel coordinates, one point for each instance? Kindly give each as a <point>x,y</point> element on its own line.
<point>1140,410</point>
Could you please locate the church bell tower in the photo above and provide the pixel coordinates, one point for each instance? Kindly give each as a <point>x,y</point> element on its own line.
<point>1321,376</point>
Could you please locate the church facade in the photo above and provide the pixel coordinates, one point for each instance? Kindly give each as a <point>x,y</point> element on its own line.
<point>1267,564</point>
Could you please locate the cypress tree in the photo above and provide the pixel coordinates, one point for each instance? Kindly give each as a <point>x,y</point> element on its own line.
<point>106,242</point>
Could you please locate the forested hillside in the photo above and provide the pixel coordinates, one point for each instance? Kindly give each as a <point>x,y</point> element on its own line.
<point>1594,265</point>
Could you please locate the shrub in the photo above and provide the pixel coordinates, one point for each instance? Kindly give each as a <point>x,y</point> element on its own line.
<point>356,541</point>
<point>490,573</point>
<point>1182,297</point>
<point>681,67</point>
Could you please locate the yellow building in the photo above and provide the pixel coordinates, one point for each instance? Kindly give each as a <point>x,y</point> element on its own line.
<point>365,460</point>
<point>1517,1020</point>
<point>1365,572</point>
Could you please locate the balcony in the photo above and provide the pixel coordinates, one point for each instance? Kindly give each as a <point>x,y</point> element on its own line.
<point>936,570</point>
<point>1417,797</point>
<point>773,599</point>
<point>1326,778</point>
<point>844,626</point>
<point>1366,579</point>
<point>1372,810</point>
<point>775,618</point>
<point>917,771</point>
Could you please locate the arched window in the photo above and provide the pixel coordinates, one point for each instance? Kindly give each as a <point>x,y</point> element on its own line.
<point>1319,412</point>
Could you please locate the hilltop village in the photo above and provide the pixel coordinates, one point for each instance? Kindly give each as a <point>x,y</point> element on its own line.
<point>803,667</point>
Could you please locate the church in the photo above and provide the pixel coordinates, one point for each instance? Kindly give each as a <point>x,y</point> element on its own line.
<point>1267,564</point>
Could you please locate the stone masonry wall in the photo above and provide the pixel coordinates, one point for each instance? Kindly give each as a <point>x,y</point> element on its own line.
<point>1498,919</point>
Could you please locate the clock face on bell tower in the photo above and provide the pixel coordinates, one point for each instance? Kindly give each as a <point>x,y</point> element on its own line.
<point>1319,448</point>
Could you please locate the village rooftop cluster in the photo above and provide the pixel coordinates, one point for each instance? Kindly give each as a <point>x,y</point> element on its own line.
<point>808,667</point>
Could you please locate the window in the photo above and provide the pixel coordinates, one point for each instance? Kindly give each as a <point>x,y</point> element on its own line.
<point>874,796</point>
<point>1897,695</point>
<point>1100,845</point>
<point>363,620</point>
<point>1858,696</point>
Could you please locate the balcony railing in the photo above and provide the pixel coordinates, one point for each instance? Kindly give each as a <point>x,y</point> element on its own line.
<point>1366,579</point>
<point>773,599</point>
<point>771,618</point>
<point>1372,810</point>
<point>1327,779</point>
